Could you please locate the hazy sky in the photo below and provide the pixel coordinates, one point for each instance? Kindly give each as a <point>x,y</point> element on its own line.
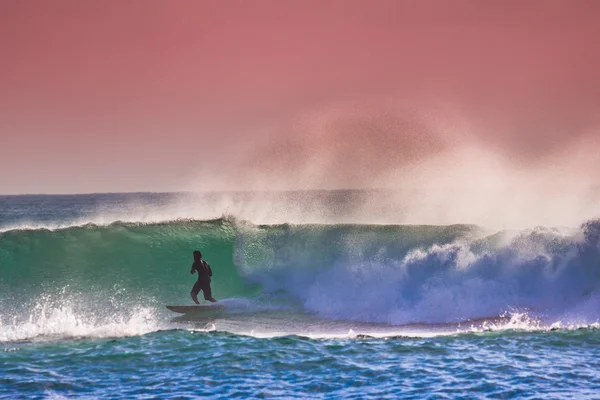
<point>147,95</point>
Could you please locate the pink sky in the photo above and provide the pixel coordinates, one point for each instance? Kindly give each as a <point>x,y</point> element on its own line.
<point>143,95</point>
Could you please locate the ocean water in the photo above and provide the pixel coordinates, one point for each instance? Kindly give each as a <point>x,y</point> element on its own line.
<point>318,305</point>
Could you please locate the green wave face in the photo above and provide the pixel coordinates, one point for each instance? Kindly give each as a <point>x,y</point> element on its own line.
<point>150,261</point>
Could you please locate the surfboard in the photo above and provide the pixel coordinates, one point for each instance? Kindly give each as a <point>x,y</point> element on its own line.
<point>194,309</point>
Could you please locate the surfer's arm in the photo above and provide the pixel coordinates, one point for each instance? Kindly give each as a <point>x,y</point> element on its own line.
<point>209,270</point>
<point>192,270</point>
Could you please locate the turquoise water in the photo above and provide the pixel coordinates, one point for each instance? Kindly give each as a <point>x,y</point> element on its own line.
<point>308,310</point>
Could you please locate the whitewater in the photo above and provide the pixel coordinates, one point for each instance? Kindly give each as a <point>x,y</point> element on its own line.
<point>318,304</point>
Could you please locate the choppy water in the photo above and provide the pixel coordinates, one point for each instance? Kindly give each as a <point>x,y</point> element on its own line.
<point>184,363</point>
<point>309,310</point>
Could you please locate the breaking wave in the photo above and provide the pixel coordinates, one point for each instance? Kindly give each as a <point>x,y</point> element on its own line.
<point>92,280</point>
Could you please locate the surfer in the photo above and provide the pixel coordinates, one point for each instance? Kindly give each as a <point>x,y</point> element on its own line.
<point>204,274</point>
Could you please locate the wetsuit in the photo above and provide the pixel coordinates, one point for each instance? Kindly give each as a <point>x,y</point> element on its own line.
<point>203,283</point>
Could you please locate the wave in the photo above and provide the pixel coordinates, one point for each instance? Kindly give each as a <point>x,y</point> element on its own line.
<point>119,276</point>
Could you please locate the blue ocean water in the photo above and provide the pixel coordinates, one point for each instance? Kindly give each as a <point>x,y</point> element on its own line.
<point>310,309</point>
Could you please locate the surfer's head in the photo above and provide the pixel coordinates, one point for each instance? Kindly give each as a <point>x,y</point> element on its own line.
<point>197,255</point>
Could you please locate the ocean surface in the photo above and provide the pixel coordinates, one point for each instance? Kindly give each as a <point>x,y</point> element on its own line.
<point>315,301</point>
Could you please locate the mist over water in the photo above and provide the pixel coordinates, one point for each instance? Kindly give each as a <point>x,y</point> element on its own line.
<point>477,202</point>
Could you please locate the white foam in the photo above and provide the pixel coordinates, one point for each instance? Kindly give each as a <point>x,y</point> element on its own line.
<point>62,322</point>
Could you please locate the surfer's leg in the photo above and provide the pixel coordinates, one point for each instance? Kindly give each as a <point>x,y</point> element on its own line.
<point>208,293</point>
<point>195,291</point>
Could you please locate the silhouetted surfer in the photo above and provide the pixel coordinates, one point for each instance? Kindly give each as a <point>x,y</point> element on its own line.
<point>204,274</point>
